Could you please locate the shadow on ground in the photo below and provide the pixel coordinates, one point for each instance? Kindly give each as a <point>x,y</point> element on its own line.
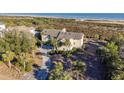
<point>42,74</point>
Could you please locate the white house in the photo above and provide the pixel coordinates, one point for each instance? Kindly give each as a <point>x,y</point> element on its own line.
<point>2,26</point>
<point>2,29</point>
<point>75,38</point>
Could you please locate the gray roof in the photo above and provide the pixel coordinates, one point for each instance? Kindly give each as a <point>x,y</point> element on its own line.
<point>21,28</point>
<point>51,32</point>
<point>70,35</point>
<point>62,35</point>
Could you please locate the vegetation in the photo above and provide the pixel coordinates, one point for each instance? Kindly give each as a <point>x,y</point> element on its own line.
<point>91,29</point>
<point>24,62</point>
<point>118,39</point>
<point>54,43</point>
<point>58,72</point>
<point>17,48</point>
<point>63,71</point>
<point>67,43</point>
<point>109,56</point>
<point>7,57</point>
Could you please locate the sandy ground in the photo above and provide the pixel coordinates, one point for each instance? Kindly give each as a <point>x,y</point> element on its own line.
<point>107,22</point>
<point>3,77</point>
<point>7,73</point>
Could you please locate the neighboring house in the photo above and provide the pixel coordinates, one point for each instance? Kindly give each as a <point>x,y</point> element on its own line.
<point>2,29</point>
<point>76,39</point>
<point>23,28</point>
<point>2,26</point>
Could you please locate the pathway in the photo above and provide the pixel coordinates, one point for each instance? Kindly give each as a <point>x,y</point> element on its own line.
<point>45,57</point>
<point>38,74</point>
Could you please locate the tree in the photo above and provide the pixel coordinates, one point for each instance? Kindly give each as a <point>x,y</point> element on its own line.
<point>67,43</point>
<point>39,28</point>
<point>97,36</point>
<point>111,61</point>
<point>25,61</point>
<point>118,75</point>
<point>79,66</point>
<point>7,57</point>
<point>58,73</point>
<point>111,48</point>
<point>118,39</point>
<point>78,70</point>
<point>54,43</point>
<point>18,42</point>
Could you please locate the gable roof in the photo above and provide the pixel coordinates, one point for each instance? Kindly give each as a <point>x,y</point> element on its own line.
<point>51,32</point>
<point>60,34</point>
<point>70,35</point>
<point>21,28</point>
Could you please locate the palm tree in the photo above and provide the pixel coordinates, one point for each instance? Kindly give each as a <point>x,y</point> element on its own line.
<point>24,58</point>
<point>7,57</point>
<point>67,43</point>
<point>54,42</point>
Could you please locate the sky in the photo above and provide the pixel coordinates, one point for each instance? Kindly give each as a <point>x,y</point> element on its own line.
<point>61,6</point>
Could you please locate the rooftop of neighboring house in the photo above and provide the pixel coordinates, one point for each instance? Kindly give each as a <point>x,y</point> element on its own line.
<point>62,34</point>
<point>21,28</point>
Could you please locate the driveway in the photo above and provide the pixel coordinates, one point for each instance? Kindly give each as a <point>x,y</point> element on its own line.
<point>45,56</point>
<point>36,74</point>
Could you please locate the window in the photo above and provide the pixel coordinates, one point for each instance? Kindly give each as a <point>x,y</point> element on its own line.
<point>74,43</point>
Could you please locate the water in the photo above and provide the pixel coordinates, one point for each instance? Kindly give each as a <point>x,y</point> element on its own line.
<point>110,16</point>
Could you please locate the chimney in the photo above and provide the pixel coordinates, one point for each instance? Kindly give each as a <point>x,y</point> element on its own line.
<point>64,30</point>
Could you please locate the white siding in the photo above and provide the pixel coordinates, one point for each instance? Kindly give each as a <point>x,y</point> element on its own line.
<point>2,27</point>
<point>76,43</point>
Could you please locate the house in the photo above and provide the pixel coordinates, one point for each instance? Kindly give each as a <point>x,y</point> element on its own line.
<point>75,39</point>
<point>2,29</point>
<point>23,28</point>
<point>2,26</point>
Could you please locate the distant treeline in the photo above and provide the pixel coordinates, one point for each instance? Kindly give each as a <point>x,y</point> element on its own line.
<point>90,29</point>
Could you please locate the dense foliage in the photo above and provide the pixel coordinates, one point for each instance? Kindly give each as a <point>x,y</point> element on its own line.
<point>68,71</point>
<point>109,56</point>
<point>17,48</point>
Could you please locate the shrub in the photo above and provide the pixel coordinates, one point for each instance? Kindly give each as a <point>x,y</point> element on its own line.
<point>28,67</point>
<point>1,62</point>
